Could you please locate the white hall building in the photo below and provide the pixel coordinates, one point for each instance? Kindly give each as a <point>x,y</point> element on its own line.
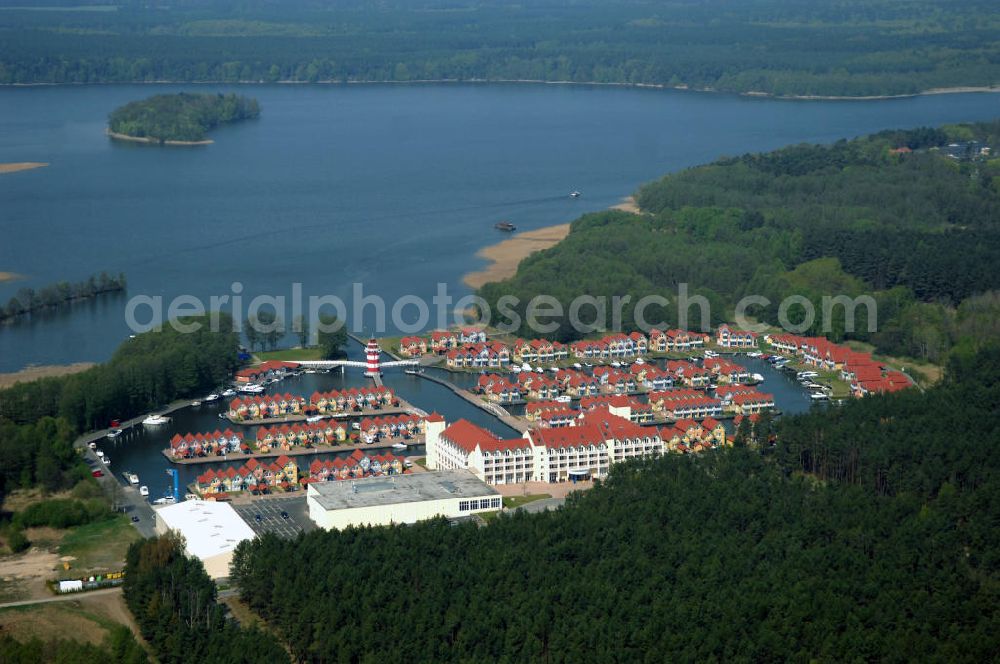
<point>584,451</point>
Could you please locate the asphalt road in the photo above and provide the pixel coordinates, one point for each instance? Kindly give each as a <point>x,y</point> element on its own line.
<point>68,597</point>
<point>128,498</point>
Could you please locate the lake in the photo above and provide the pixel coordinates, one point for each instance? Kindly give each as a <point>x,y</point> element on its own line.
<point>392,186</point>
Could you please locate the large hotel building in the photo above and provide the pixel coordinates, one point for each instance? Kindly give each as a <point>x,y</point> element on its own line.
<point>584,451</point>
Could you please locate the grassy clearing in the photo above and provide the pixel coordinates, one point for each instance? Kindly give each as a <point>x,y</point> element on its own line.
<point>98,547</point>
<point>290,354</point>
<point>511,502</point>
<point>61,620</point>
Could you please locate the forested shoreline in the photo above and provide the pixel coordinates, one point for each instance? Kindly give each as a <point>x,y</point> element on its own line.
<point>777,47</point>
<point>180,118</point>
<point>63,293</point>
<point>893,215</point>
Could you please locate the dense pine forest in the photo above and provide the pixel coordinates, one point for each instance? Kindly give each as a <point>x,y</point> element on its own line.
<point>180,117</point>
<point>894,215</point>
<point>867,533</point>
<point>782,47</point>
<point>175,604</point>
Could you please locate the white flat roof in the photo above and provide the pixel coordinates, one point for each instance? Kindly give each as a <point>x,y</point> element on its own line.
<point>395,489</point>
<point>209,528</point>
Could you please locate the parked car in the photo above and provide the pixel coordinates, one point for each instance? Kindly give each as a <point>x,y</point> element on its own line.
<point>97,473</point>
<point>258,517</point>
<point>135,519</point>
<point>284,515</point>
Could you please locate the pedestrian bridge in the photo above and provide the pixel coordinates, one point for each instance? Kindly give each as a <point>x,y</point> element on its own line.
<point>330,364</point>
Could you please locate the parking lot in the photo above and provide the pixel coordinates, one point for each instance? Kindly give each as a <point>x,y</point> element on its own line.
<point>271,520</point>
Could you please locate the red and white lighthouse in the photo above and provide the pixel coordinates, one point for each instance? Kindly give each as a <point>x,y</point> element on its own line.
<point>372,354</point>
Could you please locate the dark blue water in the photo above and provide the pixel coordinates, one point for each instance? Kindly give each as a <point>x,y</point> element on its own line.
<point>394,187</point>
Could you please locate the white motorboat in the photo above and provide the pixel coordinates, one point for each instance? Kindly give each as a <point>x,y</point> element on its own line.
<point>564,398</point>
<point>131,477</point>
<point>106,460</point>
<point>314,418</point>
<point>155,421</point>
<point>195,404</point>
<point>575,194</point>
<point>639,360</point>
<point>99,453</point>
<point>144,491</point>
<point>819,396</point>
<point>166,500</point>
<point>114,433</point>
<point>229,393</point>
<point>399,446</point>
<point>539,370</point>
<point>577,366</point>
<point>515,369</point>
<point>758,378</point>
<point>212,397</point>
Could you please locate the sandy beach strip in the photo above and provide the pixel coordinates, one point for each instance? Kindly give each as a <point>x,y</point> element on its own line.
<point>29,374</point>
<point>628,204</point>
<point>15,166</point>
<point>506,255</point>
<point>10,276</point>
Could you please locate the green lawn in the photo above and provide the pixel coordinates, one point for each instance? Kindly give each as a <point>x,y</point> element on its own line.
<point>98,547</point>
<point>511,502</point>
<point>290,354</point>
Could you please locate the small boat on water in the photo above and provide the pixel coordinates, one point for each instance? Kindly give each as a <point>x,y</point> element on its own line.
<point>195,404</point>
<point>166,500</point>
<point>314,418</point>
<point>413,372</point>
<point>564,398</point>
<point>399,446</point>
<point>130,477</point>
<point>819,396</point>
<point>252,389</point>
<point>114,433</point>
<point>575,194</point>
<point>106,460</point>
<point>577,366</point>
<point>155,421</point>
<point>505,226</point>
<point>211,397</point>
<point>757,378</point>
<point>144,491</point>
<point>229,393</point>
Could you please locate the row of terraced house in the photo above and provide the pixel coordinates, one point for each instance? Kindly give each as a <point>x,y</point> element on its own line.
<point>321,403</point>
<point>865,374</point>
<point>283,474</point>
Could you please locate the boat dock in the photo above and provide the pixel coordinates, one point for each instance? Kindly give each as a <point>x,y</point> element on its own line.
<point>493,409</point>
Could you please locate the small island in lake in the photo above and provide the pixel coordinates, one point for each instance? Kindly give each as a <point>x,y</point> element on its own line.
<point>179,119</point>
